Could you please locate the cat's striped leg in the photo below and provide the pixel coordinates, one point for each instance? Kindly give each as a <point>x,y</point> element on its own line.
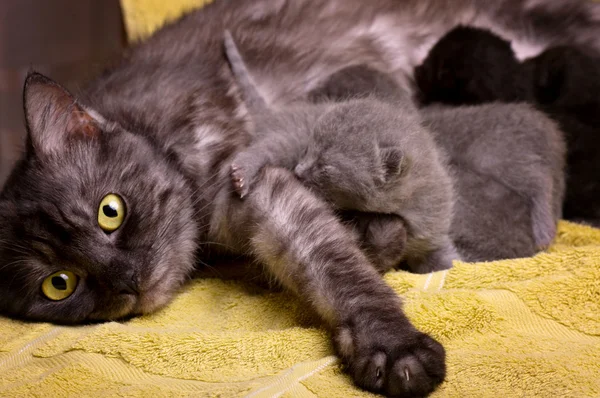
<point>302,243</point>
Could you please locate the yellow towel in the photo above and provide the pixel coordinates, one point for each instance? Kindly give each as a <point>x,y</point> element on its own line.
<point>528,327</point>
<point>518,328</point>
<point>142,17</point>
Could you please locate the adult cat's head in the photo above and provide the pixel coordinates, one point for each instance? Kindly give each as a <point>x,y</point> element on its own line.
<point>96,224</point>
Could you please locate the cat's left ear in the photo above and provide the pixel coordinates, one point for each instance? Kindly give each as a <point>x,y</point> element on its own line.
<point>394,162</point>
<point>53,116</point>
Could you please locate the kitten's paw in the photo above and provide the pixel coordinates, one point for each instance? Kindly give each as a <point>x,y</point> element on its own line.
<point>239,180</point>
<point>436,260</point>
<point>544,231</point>
<point>384,241</point>
<point>404,364</point>
<point>543,220</point>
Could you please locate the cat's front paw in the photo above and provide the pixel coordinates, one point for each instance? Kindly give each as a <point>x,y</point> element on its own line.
<point>398,363</point>
<point>238,178</point>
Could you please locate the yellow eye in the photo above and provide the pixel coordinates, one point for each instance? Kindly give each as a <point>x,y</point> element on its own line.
<point>59,285</point>
<point>111,213</point>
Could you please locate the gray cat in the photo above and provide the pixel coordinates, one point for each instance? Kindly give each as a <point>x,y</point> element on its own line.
<point>125,187</point>
<point>361,154</point>
<point>493,150</point>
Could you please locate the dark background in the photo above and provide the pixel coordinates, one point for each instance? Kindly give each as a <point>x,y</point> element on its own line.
<point>68,40</point>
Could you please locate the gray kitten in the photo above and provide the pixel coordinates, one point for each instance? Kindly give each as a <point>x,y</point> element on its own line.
<point>493,150</point>
<point>361,154</point>
<point>511,145</point>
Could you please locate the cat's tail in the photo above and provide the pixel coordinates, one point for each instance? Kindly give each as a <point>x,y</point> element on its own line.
<point>252,98</point>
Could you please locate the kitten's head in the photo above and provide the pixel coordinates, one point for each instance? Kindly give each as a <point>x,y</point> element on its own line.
<point>348,158</point>
<point>96,224</point>
<point>567,79</point>
<point>468,66</point>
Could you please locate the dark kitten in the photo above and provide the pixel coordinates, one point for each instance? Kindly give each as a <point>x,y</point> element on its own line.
<point>360,154</point>
<point>566,85</point>
<point>486,166</point>
<point>562,81</point>
<point>469,66</point>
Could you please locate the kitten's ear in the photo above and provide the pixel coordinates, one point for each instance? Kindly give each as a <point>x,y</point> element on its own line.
<point>549,78</point>
<point>53,116</point>
<point>394,163</point>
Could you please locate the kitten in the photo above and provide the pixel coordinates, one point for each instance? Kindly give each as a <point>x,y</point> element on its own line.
<point>566,85</point>
<point>167,123</point>
<point>483,161</point>
<point>562,82</point>
<point>514,145</point>
<point>470,66</point>
<point>360,154</point>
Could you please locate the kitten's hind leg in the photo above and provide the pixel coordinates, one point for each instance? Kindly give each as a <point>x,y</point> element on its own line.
<point>543,219</point>
<point>301,242</point>
<point>432,260</point>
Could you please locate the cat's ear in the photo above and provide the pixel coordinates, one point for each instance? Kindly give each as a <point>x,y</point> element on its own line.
<point>394,162</point>
<point>53,116</point>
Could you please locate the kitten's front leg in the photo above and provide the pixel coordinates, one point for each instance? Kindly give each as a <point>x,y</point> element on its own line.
<point>244,169</point>
<point>278,149</point>
<point>302,244</point>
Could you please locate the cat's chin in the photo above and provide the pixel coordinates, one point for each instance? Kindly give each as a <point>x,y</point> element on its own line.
<point>130,306</point>
<point>123,306</point>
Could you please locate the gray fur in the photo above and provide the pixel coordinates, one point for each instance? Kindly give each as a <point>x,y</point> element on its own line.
<point>361,154</point>
<point>514,146</point>
<point>495,151</point>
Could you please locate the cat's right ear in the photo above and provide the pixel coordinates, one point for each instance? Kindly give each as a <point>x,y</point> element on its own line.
<point>53,116</point>
<point>395,163</point>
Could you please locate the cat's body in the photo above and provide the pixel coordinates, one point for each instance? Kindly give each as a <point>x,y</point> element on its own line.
<point>494,151</point>
<point>361,154</point>
<point>160,127</point>
<point>562,81</point>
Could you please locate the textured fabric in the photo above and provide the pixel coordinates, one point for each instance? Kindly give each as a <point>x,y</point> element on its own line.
<point>528,327</point>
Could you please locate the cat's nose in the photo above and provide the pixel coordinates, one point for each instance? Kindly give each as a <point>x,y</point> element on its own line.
<point>128,284</point>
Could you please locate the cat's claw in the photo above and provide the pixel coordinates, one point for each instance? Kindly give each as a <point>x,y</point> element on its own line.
<point>404,364</point>
<point>237,178</point>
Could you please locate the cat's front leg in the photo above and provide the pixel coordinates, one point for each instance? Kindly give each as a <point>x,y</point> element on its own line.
<point>303,245</point>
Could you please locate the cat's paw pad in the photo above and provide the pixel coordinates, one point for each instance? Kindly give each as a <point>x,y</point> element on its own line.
<point>410,365</point>
<point>239,181</point>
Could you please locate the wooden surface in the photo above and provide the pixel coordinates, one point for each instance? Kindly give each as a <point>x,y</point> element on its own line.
<point>69,40</point>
